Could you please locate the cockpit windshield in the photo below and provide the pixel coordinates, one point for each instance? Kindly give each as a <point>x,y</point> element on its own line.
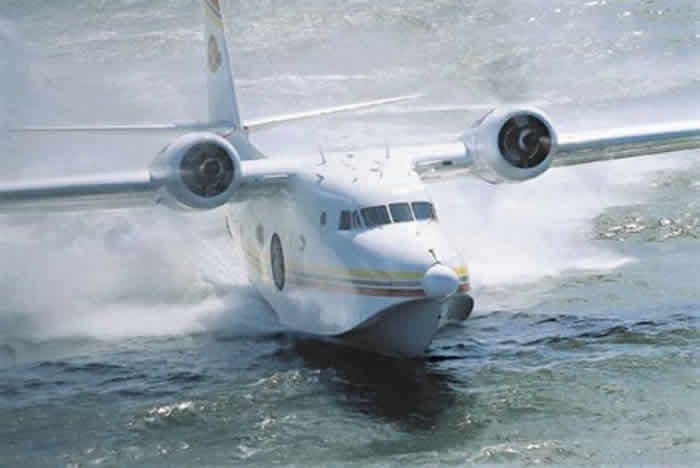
<point>375,216</point>
<point>380,215</point>
<point>401,212</point>
<point>345,223</point>
<point>423,210</point>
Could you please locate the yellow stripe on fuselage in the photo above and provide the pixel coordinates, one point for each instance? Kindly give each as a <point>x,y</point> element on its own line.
<point>357,273</point>
<point>360,273</point>
<point>345,284</point>
<point>343,273</point>
<point>343,279</point>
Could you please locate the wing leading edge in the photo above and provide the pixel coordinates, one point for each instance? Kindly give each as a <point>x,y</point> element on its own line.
<point>115,190</point>
<point>626,142</point>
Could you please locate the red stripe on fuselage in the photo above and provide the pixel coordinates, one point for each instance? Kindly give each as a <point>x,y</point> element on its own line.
<point>349,288</point>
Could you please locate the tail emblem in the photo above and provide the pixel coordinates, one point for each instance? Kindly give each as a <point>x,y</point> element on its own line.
<point>214,55</point>
<point>215,7</point>
<point>213,10</point>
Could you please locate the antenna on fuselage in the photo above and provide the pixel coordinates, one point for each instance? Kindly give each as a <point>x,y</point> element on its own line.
<point>378,168</point>
<point>432,252</point>
<point>323,155</point>
<point>387,152</point>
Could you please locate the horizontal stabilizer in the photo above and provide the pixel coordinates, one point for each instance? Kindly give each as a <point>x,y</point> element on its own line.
<point>268,122</point>
<point>217,127</point>
<point>220,127</point>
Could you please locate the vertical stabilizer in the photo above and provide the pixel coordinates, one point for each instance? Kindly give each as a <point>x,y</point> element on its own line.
<point>222,94</point>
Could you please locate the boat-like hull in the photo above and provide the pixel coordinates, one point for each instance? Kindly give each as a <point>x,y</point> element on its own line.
<point>403,330</point>
<point>390,325</point>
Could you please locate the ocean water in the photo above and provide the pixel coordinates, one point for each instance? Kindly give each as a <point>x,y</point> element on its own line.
<point>131,338</point>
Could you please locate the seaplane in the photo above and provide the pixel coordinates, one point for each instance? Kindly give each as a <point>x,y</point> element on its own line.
<point>347,247</point>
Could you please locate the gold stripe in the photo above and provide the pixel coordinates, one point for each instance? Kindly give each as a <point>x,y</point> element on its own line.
<point>368,291</point>
<point>347,275</point>
<point>323,284</point>
<point>356,273</point>
<point>358,290</point>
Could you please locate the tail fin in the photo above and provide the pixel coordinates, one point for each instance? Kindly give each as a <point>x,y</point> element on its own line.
<point>223,106</point>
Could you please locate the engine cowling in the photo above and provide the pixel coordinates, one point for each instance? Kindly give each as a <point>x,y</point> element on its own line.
<point>511,145</point>
<point>199,171</point>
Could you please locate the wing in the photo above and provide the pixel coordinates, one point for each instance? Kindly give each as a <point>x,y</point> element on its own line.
<point>196,172</point>
<point>626,142</point>
<point>117,190</point>
<point>513,144</point>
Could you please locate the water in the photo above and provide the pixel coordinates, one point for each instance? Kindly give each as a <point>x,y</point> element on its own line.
<point>132,339</point>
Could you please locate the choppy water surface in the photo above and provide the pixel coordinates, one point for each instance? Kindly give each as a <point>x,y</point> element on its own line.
<point>132,339</point>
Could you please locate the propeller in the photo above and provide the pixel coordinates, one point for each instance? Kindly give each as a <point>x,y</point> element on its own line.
<point>525,141</point>
<point>207,169</point>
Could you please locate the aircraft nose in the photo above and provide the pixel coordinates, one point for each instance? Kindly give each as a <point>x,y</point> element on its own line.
<point>440,281</point>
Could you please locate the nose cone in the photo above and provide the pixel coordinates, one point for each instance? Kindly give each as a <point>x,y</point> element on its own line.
<point>440,281</point>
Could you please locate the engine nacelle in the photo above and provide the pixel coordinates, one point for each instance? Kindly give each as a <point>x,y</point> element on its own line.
<point>511,145</point>
<point>199,171</point>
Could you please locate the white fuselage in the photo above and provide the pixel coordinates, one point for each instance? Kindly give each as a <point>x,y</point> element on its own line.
<point>314,254</point>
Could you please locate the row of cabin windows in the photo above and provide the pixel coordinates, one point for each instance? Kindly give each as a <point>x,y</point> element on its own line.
<point>380,215</point>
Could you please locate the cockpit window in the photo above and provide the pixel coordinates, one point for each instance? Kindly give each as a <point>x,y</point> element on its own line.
<point>375,216</point>
<point>400,212</point>
<point>344,224</point>
<point>356,222</point>
<point>423,210</point>
<point>382,214</point>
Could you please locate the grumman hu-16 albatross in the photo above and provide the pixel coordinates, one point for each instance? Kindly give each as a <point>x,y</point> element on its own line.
<point>349,247</point>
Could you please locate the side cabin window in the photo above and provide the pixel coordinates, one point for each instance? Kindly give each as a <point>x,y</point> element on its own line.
<point>345,223</point>
<point>375,216</point>
<point>401,212</point>
<point>260,234</point>
<point>424,210</point>
<point>324,218</point>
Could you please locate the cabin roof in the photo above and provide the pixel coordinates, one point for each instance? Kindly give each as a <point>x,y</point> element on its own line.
<point>364,178</point>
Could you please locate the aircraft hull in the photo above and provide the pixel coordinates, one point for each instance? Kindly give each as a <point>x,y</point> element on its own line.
<point>404,330</point>
<point>389,326</point>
